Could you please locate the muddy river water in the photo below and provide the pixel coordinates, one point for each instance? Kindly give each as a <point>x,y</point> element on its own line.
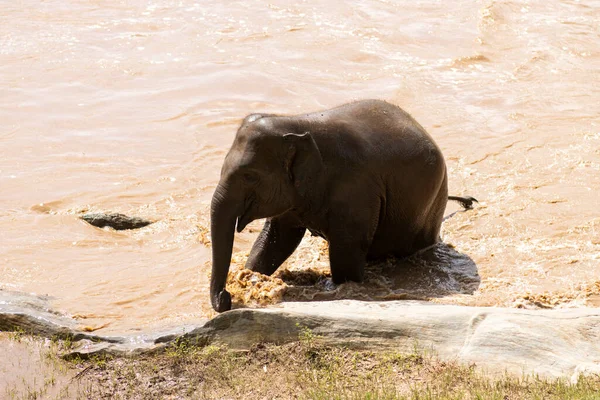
<point>131,106</point>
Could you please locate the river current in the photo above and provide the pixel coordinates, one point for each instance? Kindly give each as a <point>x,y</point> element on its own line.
<point>131,107</point>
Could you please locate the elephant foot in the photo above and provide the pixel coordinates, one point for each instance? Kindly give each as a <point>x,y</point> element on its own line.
<point>222,302</point>
<point>329,285</point>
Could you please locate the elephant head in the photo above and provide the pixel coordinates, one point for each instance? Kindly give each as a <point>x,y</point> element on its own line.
<point>269,170</point>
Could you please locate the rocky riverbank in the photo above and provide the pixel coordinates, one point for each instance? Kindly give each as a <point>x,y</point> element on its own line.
<point>552,343</point>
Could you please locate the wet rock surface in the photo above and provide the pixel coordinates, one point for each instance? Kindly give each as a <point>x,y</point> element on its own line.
<point>31,314</point>
<point>553,343</point>
<point>115,221</point>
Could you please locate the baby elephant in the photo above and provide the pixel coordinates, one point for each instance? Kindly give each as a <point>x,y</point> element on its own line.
<point>365,176</point>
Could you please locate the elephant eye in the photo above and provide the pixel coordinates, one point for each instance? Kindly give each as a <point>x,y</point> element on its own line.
<point>249,177</point>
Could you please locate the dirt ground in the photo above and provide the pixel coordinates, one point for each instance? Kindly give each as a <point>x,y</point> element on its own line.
<point>302,370</point>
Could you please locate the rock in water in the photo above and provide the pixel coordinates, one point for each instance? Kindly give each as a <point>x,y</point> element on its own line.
<point>115,221</point>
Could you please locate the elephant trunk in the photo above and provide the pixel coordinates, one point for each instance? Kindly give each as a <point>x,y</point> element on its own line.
<point>224,212</point>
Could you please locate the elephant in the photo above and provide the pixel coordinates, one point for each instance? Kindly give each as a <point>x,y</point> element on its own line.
<point>365,176</point>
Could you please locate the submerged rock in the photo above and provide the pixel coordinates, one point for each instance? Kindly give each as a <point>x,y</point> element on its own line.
<point>115,221</point>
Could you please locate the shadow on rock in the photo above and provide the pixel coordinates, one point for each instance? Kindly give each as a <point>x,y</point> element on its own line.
<point>436,272</point>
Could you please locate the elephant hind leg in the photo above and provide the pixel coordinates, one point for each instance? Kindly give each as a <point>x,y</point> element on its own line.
<point>348,249</point>
<point>347,262</point>
<point>429,234</point>
<point>277,241</point>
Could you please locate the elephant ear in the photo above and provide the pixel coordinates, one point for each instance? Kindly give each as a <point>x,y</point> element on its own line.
<point>303,161</point>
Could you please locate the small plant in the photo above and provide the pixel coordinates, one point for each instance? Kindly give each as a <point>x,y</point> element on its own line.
<point>68,342</point>
<point>50,381</point>
<point>212,349</point>
<point>74,359</point>
<point>17,334</point>
<point>306,336</point>
<point>309,343</point>
<point>180,348</point>
<point>99,361</point>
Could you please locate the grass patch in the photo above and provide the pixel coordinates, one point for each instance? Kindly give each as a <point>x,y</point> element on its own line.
<point>308,370</point>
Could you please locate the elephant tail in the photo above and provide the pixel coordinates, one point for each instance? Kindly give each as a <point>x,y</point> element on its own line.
<point>466,202</point>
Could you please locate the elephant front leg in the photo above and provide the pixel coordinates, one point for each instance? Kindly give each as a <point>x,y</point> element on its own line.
<point>277,241</point>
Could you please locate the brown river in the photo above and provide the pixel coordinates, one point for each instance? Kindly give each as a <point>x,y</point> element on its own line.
<point>131,107</point>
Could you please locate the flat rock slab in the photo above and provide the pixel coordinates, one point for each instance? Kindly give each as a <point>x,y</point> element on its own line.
<point>551,343</point>
<point>554,343</point>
